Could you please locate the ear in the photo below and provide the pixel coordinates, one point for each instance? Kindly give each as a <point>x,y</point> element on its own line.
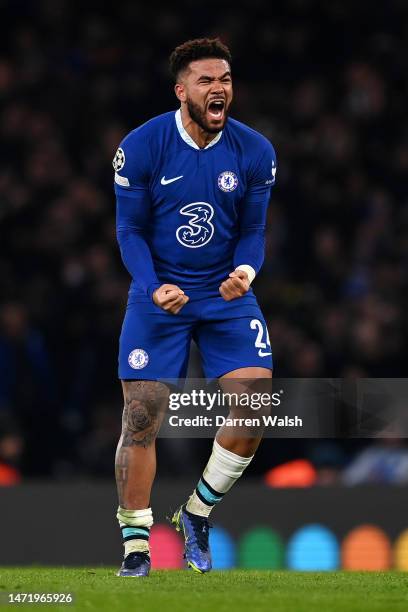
<point>180,92</point>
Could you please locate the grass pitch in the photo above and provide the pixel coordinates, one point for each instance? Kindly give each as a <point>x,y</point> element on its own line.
<point>235,590</point>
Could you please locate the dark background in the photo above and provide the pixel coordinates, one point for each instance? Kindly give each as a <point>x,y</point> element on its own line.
<point>325,81</point>
<point>249,506</point>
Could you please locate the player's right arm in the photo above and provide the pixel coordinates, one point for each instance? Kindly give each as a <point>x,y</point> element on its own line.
<point>133,210</point>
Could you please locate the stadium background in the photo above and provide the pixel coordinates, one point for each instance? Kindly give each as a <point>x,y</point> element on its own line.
<point>326,82</point>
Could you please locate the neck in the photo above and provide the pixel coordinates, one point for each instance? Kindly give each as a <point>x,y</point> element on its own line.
<point>200,136</point>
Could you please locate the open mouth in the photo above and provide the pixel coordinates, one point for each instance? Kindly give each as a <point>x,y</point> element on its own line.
<point>216,109</point>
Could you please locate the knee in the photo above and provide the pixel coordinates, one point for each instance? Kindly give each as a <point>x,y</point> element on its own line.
<point>141,416</point>
<point>138,415</point>
<point>139,424</point>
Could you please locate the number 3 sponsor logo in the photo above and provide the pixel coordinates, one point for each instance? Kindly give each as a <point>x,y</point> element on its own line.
<point>199,229</point>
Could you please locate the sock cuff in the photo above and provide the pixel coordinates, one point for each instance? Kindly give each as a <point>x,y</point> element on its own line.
<point>226,463</point>
<point>226,455</point>
<point>136,546</point>
<point>135,518</point>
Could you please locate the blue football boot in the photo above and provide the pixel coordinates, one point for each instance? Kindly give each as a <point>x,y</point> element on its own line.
<point>135,564</point>
<point>196,530</point>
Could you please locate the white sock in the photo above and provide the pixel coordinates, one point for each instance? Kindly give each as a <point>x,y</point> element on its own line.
<point>135,526</point>
<point>221,471</point>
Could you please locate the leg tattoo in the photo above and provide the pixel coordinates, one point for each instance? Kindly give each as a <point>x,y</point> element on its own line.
<point>122,471</point>
<point>145,403</point>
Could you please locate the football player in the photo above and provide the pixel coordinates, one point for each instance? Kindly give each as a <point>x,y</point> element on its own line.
<point>192,189</point>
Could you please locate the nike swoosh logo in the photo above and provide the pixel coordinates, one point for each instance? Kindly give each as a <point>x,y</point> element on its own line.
<point>262,354</point>
<point>165,181</point>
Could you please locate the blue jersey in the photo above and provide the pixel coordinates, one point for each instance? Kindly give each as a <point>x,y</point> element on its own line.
<point>190,216</point>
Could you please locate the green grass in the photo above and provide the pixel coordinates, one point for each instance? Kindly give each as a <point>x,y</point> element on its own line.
<point>229,591</point>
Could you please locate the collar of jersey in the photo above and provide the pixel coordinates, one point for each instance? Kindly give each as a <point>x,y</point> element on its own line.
<point>186,136</point>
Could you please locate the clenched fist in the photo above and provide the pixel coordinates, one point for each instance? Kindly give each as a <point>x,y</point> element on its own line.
<point>236,285</point>
<point>170,297</point>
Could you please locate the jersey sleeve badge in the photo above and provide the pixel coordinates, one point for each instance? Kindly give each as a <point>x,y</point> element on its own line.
<point>119,160</point>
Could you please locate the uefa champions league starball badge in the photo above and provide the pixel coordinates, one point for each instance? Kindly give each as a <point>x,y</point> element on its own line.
<point>119,160</point>
<point>227,181</point>
<point>138,359</point>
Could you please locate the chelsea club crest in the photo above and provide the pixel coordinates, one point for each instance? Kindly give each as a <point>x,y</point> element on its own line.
<point>138,359</point>
<point>227,181</point>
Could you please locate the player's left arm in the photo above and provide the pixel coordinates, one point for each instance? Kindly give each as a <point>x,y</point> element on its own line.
<point>250,250</point>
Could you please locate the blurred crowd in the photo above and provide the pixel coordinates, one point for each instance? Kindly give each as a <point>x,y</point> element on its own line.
<point>326,82</point>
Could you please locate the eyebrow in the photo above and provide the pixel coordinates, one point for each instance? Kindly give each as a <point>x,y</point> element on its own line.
<point>209,78</point>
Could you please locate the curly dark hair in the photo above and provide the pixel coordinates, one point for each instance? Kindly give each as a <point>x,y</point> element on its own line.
<point>199,48</point>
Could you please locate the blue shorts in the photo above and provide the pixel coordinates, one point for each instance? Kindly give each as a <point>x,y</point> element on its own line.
<point>155,344</point>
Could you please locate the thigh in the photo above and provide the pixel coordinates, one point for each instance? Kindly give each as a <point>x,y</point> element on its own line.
<point>153,344</point>
<point>233,340</point>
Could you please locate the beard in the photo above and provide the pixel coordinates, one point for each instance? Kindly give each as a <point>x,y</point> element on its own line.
<point>198,115</point>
